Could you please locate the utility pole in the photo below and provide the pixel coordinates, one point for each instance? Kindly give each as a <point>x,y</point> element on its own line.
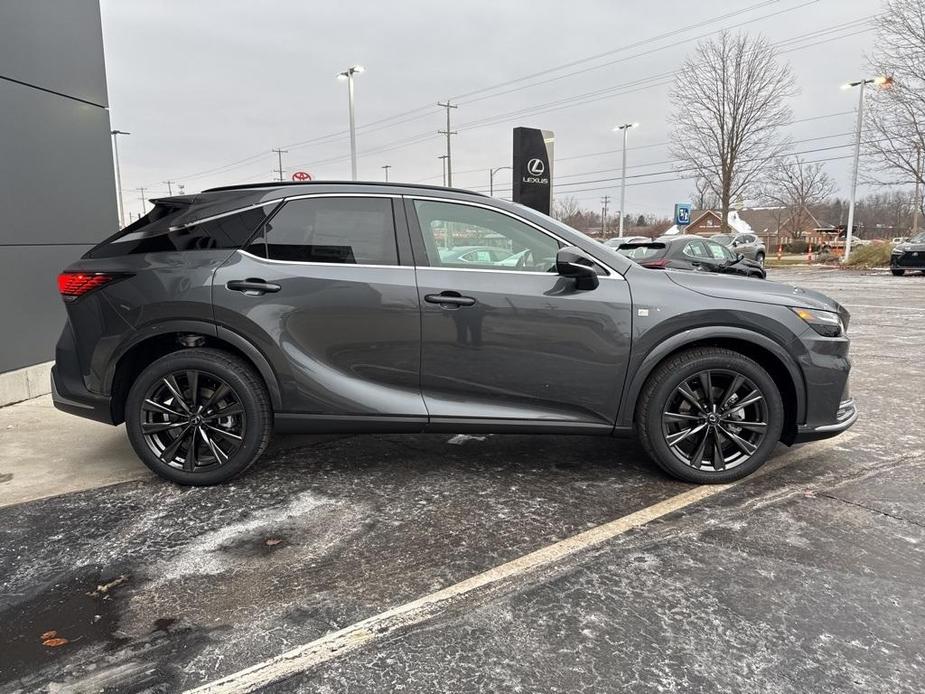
<point>448,132</point>
<point>386,168</point>
<point>918,190</point>
<point>279,154</point>
<point>169,186</point>
<point>144,203</point>
<point>444,158</point>
<point>605,202</point>
<point>115,146</point>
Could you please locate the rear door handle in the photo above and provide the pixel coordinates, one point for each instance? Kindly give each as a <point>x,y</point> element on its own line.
<point>252,285</point>
<point>449,299</point>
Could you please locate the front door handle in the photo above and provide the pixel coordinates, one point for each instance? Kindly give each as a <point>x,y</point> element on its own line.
<point>252,285</point>
<point>449,299</point>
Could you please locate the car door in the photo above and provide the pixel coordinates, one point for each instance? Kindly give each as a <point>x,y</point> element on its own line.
<point>326,291</point>
<point>721,256</point>
<point>510,342</point>
<point>698,255</point>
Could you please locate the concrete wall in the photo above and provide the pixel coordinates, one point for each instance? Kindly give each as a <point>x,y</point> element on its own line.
<point>57,189</point>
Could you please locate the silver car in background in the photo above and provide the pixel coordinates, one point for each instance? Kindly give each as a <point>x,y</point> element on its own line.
<point>748,245</point>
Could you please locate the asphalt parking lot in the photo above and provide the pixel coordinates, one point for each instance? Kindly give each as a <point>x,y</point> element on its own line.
<point>499,563</point>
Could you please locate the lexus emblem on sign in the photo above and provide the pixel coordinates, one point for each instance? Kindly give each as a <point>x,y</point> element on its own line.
<point>536,167</point>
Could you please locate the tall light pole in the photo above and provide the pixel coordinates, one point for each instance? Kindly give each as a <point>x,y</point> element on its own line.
<point>386,168</point>
<point>448,132</point>
<point>115,147</point>
<point>348,75</point>
<point>862,89</point>
<point>491,178</point>
<point>625,127</point>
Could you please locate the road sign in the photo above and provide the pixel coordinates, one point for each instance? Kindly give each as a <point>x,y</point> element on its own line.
<point>301,176</point>
<point>682,213</point>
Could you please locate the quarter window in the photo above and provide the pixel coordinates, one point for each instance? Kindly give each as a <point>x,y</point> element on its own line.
<point>465,236</point>
<point>331,230</point>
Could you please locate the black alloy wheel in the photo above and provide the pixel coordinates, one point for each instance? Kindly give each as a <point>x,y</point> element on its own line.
<point>715,419</point>
<point>709,415</point>
<point>192,420</point>
<point>198,416</point>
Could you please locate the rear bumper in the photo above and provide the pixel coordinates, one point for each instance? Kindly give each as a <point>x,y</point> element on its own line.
<point>79,401</point>
<point>845,418</point>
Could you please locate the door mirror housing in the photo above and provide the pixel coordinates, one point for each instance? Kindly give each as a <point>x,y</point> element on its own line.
<point>572,262</point>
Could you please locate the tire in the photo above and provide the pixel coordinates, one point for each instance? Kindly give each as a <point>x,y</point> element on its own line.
<point>661,396</point>
<point>759,258</point>
<point>897,272</point>
<point>229,420</point>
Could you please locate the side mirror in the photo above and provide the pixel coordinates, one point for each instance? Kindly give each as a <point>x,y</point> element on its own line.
<point>739,257</point>
<point>572,262</point>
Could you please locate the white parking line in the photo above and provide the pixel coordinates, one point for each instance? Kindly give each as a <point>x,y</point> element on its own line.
<point>425,608</point>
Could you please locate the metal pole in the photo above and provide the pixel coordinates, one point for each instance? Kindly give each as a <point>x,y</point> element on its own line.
<point>169,187</point>
<point>623,184</point>
<point>353,129</point>
<point>443,158</point>
<point>386,169</point>
<point>448,132</point>
<point>144,207</point>
<point>491,178</point>
<point>854,176</point>
<point>918,190</point>
<point>115,146</point>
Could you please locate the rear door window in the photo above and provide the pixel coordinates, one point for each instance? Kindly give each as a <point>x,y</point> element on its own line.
<point>348,230</point>
<point>697,249</point>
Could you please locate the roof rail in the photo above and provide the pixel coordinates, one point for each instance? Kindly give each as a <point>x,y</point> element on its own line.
<point>293,184</point>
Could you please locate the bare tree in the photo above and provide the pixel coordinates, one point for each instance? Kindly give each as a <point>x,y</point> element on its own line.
<point>896,117</point>
<point>565,207</point>
<point>703,197</point>
<point>727,127</point>
<point>795,185</point>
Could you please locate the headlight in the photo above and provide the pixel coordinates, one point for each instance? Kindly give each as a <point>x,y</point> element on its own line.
<point>826,323</point>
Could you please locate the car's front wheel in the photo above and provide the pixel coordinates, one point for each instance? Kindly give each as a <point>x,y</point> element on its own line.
<point>759,258</point>
<point>198,416</point>
<point>709,415</point>
<point>897,272</point>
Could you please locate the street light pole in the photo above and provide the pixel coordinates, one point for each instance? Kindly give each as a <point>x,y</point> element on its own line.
<point>491,178</point>
<point>625,127</point>
<point>862,88</point>
<point>348,75</point>
<point>386,169</point>
<point>115,146</point>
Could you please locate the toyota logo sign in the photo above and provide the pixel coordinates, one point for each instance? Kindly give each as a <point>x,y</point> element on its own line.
<point>536,167</point>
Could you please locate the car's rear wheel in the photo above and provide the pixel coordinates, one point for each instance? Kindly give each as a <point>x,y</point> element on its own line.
<point>198,416</point>
<point>897,272</point>
<point>709,415</point>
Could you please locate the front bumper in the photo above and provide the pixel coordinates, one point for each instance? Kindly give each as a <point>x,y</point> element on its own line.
<point>846,416</point>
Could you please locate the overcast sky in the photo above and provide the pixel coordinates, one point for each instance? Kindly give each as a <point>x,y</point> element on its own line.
<point>204,85</point>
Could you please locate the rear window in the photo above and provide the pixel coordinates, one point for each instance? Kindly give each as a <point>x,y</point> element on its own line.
<point>154,233</point>
<point>642,252</point>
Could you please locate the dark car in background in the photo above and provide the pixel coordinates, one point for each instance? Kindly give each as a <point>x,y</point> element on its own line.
<point>689,252</point>
<point>909,255</point>
<point>748,245</point>
<point>220,317</point>
<point>617,241</point>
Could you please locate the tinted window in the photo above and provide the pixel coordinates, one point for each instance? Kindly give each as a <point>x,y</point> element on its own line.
<point>472,237</point>
<point>696,249</point>
<point>642,252</point>
<point>331,230</point>
<point>153,233</point>
<point>719,252</point>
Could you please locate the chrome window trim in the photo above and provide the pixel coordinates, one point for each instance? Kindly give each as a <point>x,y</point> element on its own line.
<point>224,214</point>
<point>611,272</point>
<point>309,262</point>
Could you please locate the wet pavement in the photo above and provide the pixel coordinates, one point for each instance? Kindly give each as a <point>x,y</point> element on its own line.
<point>807,578</point>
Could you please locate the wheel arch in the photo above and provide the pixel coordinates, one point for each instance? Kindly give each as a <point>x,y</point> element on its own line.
<point>768,353</point>
<point>158,340</point>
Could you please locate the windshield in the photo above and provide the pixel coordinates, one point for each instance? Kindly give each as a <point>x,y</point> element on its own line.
<point>724,239</point>
<point>918,238</point>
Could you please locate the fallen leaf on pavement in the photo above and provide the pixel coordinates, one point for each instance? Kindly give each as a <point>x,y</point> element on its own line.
<point>272,541</point>
<point>106,587</point>
<point>54,643</point>
<point>48,635</point>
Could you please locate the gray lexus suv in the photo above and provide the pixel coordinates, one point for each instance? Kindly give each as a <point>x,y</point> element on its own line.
<point>340,307</point>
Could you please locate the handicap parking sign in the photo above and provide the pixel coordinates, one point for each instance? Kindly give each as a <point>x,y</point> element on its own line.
<point>682,213</point>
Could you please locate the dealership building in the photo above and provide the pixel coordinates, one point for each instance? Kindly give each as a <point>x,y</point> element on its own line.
<point>57,189</point>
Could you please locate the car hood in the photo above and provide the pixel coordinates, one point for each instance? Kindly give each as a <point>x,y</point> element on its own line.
<point>903,247</point>
<point>759,291</point>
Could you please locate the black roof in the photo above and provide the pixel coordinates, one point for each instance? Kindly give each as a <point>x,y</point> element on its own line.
<point>290,184</point>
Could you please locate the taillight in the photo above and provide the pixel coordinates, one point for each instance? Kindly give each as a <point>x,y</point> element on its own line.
<point>74,284</point>
<point>660,263</point>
